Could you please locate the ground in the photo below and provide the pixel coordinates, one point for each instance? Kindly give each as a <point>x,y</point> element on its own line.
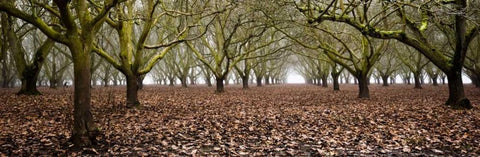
<point>280,120</point>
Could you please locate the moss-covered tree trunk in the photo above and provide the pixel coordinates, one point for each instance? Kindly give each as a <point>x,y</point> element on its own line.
<point>84,131</point>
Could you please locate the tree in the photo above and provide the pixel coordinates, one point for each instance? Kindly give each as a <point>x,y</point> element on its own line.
<point>273,52</point>
<point>433,73</point>
<point>386,66</point>
<point>8,75</point>
<point>358,55</point>
<point>56,65</point>
<point>415,62</point>
<point>181,62</point>
<point>415,20</point>
<point>472,63</point>
<point>135,61</point>
<point>230,31</point>
<point>80,24</point>
<point>28,70</point>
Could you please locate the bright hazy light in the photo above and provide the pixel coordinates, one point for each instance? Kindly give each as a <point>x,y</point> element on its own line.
<point>295,78</point>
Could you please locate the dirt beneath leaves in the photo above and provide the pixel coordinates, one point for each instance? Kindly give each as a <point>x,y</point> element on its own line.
<point>281,120</point>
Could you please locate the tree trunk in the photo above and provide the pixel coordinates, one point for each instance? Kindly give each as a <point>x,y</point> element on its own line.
<point>434,80</point>
<point>209,81</point>
<point>456,94</point>
<point>140,82</point>
<point>363,87</point>
<point>267,80</point>
<point>84,131</point>
<point>132,91</point>
<point>183,81</point>
<point>245,82</point>
<point>259,81</point>
<point>385,80</point>
<point>53,83</point>
<point>172,81</point>
<point>220,85</point>
<point>475,79</point>
<point>336,85</point>
<point>105,82</point>
<point>418,84</point>
<point>29,82</point>
<point>325,81</point>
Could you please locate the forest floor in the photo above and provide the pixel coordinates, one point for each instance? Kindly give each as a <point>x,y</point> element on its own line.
<point>279,120</point>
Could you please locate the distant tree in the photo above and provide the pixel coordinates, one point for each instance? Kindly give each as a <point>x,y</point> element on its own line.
<point>220,48</point>
<point>386,67</point>
<point>416,62</point>
<point>27,69</point>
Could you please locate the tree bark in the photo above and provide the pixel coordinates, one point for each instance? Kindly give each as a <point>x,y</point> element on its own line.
<point>435,80</point>
<point>325,81</point>
<point>84,129</point>
<point>171,81</point>
<point>140,82</point>
<point>418,84</point>
<point>336,85</point>
<point>220,85</point>
<point>259,81</point>
<point>183,81</point>
<point>385,80</point>
<point>132,91</point>
<point>245,82</point>
<point>456,94</point>
<point>29,82</point>
<point>363,87</point>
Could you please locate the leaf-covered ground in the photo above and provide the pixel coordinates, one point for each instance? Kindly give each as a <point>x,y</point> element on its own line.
<point>283,120</point>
